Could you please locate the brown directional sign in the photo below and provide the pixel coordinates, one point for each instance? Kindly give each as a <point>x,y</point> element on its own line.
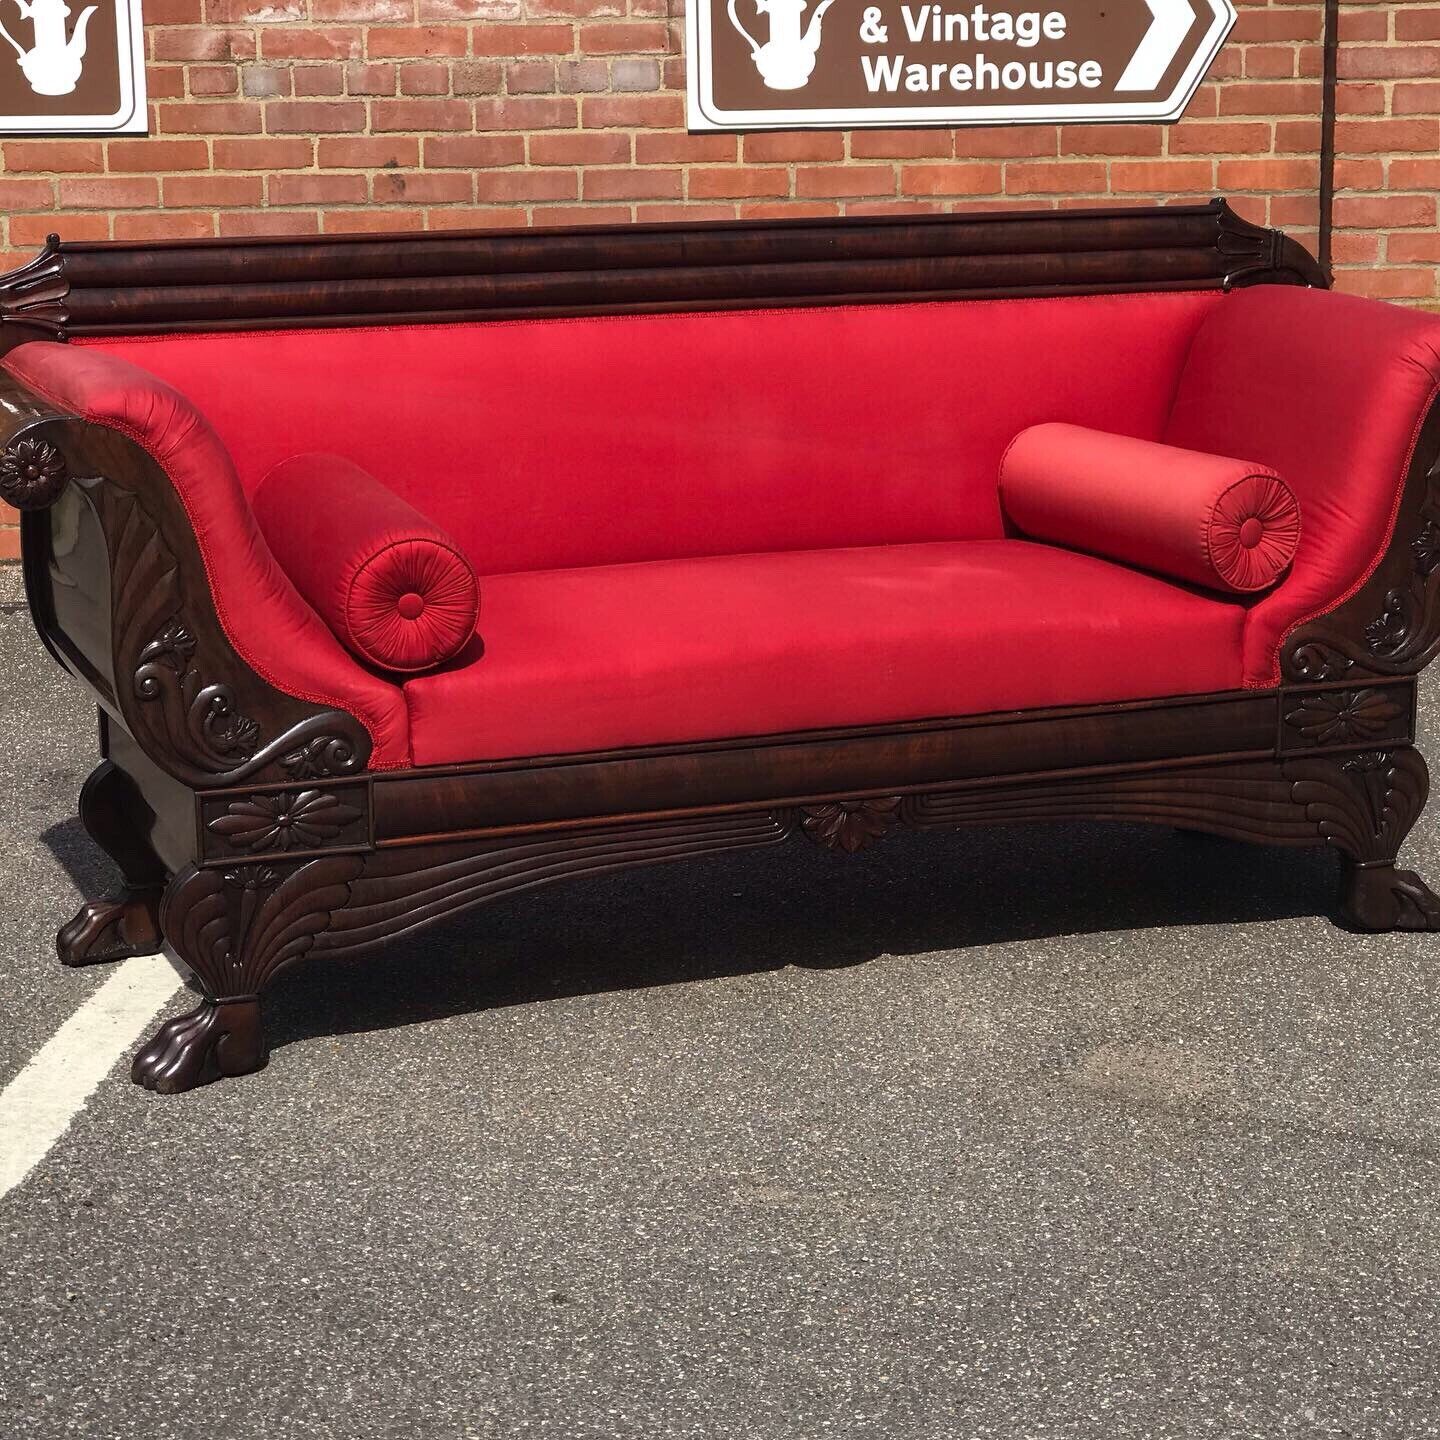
<point>71,68</point>
<point>777,64</point>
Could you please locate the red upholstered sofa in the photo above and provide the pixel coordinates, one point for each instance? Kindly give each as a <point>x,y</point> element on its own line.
<point>731,500</point>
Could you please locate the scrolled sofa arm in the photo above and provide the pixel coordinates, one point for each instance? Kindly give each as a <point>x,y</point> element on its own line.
<point>1334,392</point>
<point>190,571</point>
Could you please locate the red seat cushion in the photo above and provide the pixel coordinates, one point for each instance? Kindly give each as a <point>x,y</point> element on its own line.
<point>626,655</point>
<point>389,583</point>
<point>1226,524</point>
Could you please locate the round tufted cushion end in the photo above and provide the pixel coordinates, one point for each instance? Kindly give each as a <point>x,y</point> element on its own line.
<point>390,583</point>
<point>1254,529</point>
<point>412,605</point>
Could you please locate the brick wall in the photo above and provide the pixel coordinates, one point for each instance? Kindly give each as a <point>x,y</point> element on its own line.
<point>319,116</point>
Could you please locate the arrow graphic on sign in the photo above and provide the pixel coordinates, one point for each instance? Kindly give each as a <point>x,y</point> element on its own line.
<point>1171,22</point>
<point>945,62</point>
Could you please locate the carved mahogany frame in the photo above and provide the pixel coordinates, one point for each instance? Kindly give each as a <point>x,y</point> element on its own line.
<point>251,833</point>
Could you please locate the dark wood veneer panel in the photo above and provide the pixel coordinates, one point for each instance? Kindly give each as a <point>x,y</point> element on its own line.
<point>785,771</point>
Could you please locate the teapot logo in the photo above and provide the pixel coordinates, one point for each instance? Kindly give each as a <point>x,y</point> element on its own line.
<point>52,65</point>
<point>787,59</point>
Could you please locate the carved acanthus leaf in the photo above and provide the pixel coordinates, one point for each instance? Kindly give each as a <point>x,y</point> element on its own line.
<point>850,825</point>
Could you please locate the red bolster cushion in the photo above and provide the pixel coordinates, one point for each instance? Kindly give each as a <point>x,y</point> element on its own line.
<point>391,584</point>
<point>1221,523</point>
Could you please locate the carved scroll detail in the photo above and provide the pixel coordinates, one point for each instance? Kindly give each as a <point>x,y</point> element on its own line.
<point>194,723</point>
<point>35,294</point>
<point>1403,637</point>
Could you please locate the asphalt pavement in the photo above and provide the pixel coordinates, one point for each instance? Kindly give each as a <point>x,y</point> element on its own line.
<point>1054,1132</point>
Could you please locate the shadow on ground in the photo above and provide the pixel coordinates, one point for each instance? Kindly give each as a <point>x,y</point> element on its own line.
<point>759,911</point>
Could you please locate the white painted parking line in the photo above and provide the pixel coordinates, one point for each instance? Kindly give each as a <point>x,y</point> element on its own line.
<point>37,1106</point>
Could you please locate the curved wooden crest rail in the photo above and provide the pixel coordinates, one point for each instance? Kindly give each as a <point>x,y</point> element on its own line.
<point>199,750</point>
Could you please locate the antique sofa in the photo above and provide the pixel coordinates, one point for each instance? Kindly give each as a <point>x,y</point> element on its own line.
<point>730,501</point>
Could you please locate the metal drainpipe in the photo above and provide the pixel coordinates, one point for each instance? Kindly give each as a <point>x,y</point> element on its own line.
<point>1331,52</point>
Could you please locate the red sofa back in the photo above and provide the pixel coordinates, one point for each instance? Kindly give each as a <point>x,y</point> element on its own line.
<point>551,443</point>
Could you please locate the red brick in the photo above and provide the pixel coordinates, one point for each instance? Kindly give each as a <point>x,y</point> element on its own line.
<point>1219,138</point>
<point>1270,98</point>
<point>1161,177</point>
<point>172,225</point>
<point>408,116</point>
<point>658,112</point>
<point>902,144</point>
<point>371,11</point>
<point>361,79</point>
<point>363,152</point>
<point>737,181</point>
<point>209,118</point>
<point>310,117</point>
<point>957,179</point>
<point>425,77</point>
<point>662,148</point>
<point>214,79</point>
<point>798,145</point>
<point>788,210</point>
<point>530,77</point>
<point>844,181</point>
<point>1415,174</point>
<point>263,154</point>
<point>1267,174</point>
<point>1127,140</point>
<point>201,44</point>
<point>210,192</point>
<point>1379,212</point>
<point>314,81</point>
<point>371,220</point>
<point>474,151</point>
<point>526,112</point>
<point>1064,177</point>
<point>1417,22</point>
<point>319,190</point>
<point>270,222</point>
<point>396,187</point>
<point>127,194</point>
<point>33,194</point>
<point>1412,246</point>
<point>75,156</point>
<point>509,185</point>
<point>403,43</point>
<point>580,149</point>
<point>1416,99</point>
<point>621,38</point>
<point>1389,62</point>
<point>1375,137</point>
<point>332,43</point>
<point>522,40</point>
<point>631,184</point>
<point>31,230</point>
